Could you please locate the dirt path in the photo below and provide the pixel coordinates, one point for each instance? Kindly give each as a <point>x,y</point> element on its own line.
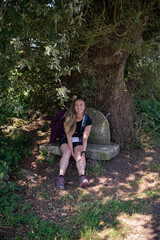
<point>132,174</point>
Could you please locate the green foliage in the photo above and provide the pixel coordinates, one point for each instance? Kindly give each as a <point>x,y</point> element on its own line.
<point>11,151</point>
<point>86,88</point>
<point>14,212</point>
<point>149,112</point>
<point>14,103</point>
<point>92,214</point>
<point>35,47</point>
<point>90,218</point>
<point>44,44</point>
<point>153,194</point>
<point>142,71</point>
<point>67,198</point>
<point>154,166</point>
<point>95,168</point>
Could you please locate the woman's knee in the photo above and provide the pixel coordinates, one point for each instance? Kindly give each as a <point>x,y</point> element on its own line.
<point>67,152</point>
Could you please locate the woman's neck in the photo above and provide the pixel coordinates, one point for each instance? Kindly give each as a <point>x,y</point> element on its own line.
<point>79,117</point>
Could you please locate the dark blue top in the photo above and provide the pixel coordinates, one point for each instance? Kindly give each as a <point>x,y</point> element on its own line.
<point>78,132</point>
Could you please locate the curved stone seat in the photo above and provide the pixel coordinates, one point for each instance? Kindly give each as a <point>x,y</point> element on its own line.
<point>99,146</point>
<point>94,151</point>
<point>100,132</point>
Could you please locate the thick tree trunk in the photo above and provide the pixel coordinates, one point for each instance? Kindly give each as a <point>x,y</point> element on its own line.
<point>120,110</point>
<point>112,98</point>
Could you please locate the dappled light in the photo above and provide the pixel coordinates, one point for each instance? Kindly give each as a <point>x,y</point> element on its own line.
<point>119,199</point>
<point>107,53</point>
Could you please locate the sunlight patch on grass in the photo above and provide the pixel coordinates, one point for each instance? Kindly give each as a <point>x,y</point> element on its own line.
<point>88,233</point>
<point>112,233</point>
<point>153,193</point>
<point>137,224</point>
<point>136,182</point>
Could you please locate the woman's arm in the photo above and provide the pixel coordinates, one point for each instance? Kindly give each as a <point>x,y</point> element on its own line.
<point>85,137</point>
<point>69,140</point>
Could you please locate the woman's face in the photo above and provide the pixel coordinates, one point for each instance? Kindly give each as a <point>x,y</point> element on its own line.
<point>79,107</point>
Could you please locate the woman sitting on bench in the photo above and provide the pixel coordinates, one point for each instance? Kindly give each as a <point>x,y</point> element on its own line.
<point>73,141</point>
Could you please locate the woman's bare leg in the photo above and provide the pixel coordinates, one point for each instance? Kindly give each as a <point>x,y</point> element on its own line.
<point>80,161</point>
<point>65,158</point>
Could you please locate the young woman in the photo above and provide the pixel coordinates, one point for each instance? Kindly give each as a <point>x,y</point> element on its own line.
<point>73,141</point>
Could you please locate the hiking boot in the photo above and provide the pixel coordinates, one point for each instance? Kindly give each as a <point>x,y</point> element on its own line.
<point>60,183</point>
<point>83,181</point>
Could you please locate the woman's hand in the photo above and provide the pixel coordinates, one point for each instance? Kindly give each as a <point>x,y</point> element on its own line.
<point>83,157</point>
<point>74,156</point>
<point>78,158</point>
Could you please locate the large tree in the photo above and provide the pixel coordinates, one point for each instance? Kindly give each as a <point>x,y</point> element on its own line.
<point>110,33</point>
<point>54,47</point>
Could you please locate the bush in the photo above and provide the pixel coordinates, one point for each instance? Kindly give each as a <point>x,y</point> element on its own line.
<point>13,105</point>
<point>149,112</point>
<point>11,151</point>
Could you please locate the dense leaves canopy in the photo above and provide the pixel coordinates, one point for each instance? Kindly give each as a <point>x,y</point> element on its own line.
<point>52,50</point>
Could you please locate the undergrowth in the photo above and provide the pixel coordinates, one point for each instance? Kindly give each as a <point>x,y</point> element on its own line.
<point>11,152</point>
<point>148,122</point>
<point>91,215</point>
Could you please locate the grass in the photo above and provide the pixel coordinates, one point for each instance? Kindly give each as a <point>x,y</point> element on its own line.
<point>136,182</point>
<point>66,198</point>
<point>45,158</point>
<point>95,168</point>
<point>153,166</point>
<point>85,197</point>
<point>95,216</point>
<point>91,217</point>
<point>42,195</point>
<point>150,140</point>
<point>153,193</point>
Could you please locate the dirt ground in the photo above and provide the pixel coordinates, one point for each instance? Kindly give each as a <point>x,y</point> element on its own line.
<point>123,177</point>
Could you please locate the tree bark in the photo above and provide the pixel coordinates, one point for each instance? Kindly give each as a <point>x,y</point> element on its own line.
<point>113,98</point>
<point>121,110</point>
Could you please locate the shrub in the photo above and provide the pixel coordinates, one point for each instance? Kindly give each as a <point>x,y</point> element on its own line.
<point>11,151</point>
<point>149,112</point>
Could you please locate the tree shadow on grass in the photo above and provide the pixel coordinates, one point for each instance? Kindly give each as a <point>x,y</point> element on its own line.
<point>120,188</point>
<point>128,176</point>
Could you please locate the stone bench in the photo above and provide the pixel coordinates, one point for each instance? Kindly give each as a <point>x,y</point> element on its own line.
<point>99,146</point>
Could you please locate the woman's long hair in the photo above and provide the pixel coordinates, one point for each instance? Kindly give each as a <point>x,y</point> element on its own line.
<point>70,118</point>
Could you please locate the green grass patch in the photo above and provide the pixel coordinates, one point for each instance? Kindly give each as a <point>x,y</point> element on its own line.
<point>11,152</point>
<point>153,193</point>
<point>14,213</point>
<point>88,221</point>
<point>136,182</point>
<point>96,168</point>
<point>90,215</point>
<point>66,198</point>
<point>154,166</point>
<point>43,195</point>
<point>85,197</point>
<point>46,160</point>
